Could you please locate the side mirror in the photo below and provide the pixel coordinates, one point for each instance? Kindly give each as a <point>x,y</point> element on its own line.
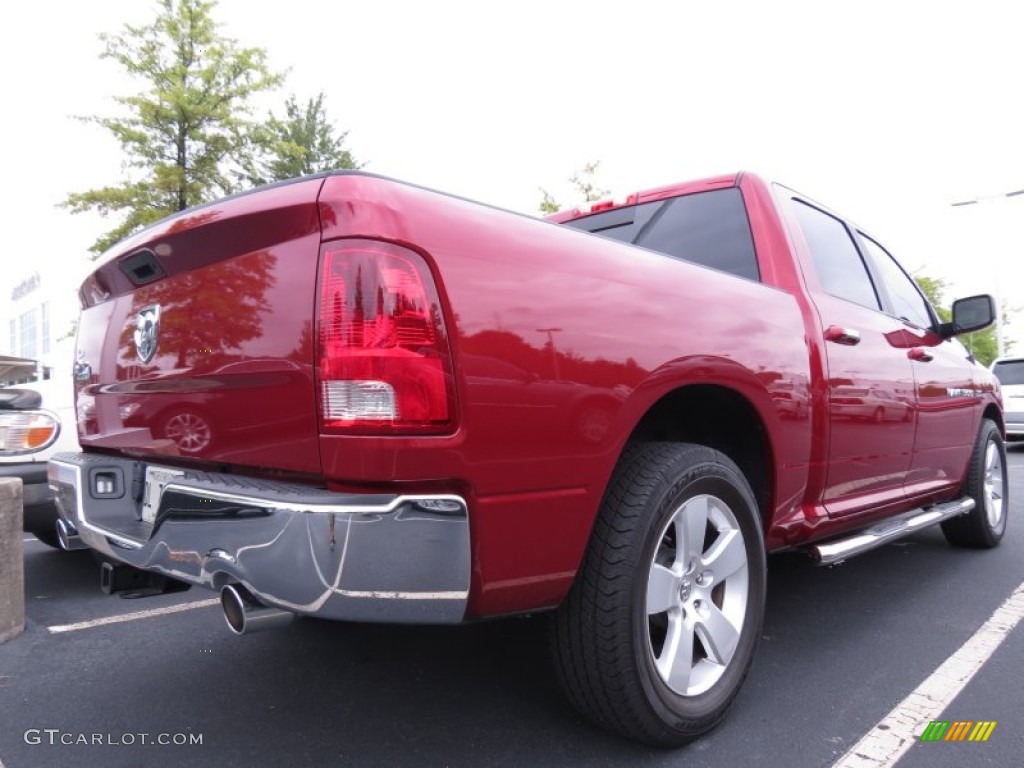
<point>970,314</point>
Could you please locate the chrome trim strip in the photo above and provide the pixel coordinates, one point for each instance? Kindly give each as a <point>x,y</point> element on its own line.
<point>339,509</point>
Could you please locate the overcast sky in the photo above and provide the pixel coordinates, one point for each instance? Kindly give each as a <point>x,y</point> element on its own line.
<point>886,112</point>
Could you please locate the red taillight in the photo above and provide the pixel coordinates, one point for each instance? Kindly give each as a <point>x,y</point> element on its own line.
<point>384,360</point>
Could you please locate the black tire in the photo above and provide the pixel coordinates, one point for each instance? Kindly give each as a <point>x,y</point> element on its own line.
<point>987,483</point>
<point>607,639</point>
<point>49,538</point>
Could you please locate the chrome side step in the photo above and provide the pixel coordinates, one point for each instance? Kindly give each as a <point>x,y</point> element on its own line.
<point>838,550</point>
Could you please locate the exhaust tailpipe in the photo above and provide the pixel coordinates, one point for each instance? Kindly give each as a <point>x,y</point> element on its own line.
<point>244,613</point>
<point>67,536</point>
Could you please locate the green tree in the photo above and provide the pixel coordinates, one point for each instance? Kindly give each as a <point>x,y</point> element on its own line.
<point>982,344</point>
<point>301,143</point>
<point>188,126</point>
<point>934,289</point>
<point>584,185</point>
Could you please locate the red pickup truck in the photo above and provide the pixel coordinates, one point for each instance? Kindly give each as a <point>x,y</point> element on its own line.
<point>354,398</point>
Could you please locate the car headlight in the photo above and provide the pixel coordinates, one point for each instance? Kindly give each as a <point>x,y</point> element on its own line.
<point>27,431</point>
<point>127,410</point>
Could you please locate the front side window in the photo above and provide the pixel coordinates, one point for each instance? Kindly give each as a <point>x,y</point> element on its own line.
<point>907,302</point>
<point>837,262</point>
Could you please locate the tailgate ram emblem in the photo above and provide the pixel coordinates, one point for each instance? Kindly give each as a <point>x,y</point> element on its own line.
<point>147,329</point>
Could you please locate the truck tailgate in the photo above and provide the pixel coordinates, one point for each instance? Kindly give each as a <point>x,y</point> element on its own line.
<point>196,339</point>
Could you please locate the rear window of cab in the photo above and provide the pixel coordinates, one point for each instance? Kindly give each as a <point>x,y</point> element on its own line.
<point>708,228</point>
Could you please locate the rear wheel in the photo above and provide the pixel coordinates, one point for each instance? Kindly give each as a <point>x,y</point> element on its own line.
<point>987,483</point>
<point>659,629</point>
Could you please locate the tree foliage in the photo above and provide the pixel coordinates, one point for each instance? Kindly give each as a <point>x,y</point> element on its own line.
<point>584,185</point>
<point>934,289</point>
<point>305,141</point>
<point>982,344</point>
<point>190,124</point>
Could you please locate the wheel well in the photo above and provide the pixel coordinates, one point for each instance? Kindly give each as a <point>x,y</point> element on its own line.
<point>719,418</point>
<point>991,412</point>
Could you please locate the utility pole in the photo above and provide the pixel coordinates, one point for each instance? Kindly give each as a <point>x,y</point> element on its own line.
<point>554,352</point>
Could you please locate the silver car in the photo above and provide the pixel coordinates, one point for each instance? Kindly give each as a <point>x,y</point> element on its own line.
<point>1010,372</point>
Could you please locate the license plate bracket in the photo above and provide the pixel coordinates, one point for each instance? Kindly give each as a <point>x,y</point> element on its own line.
<point>156,479</point>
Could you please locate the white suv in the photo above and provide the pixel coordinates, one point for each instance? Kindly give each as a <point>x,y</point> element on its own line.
<point>1010,372</point>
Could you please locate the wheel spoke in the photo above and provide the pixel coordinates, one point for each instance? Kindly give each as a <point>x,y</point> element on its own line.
<point>991,454</point>
<point>726,556</point>
<point>691,523</point>
<point>676,660</point>
<point>718,635</point>
<point>662,590</point>
<point>993,485</point>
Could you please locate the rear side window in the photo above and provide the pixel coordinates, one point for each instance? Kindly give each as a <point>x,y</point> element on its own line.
<point>837,262</point>
<point>1009,372</point>
<point>707,228</point>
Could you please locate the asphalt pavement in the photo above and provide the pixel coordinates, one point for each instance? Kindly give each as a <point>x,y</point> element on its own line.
<point>841,646</point>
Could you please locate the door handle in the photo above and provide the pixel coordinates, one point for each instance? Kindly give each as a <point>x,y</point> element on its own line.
<point>845,336</point>
<point>916,353</point>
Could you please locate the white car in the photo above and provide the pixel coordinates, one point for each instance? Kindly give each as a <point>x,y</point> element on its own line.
<point>37,420</point>
<point>1010,372</point>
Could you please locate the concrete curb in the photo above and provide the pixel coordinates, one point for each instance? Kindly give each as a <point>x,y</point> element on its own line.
<point>12,560</point>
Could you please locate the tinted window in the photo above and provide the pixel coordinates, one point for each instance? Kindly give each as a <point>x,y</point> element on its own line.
<point>841,271</point>
<point>708,228</point>
<point>1009,372</point>
<point>907,301</point>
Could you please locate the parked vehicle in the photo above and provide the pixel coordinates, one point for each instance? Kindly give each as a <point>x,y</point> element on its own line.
<point>1010,372</point>
<point>615,415</point>
<point>36,421</point>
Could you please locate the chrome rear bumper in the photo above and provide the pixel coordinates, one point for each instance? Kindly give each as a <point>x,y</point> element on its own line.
<point>352,557</point>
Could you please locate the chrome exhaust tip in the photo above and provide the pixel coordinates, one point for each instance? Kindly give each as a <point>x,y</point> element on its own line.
<point>244,613</point>
<point>67,536</point>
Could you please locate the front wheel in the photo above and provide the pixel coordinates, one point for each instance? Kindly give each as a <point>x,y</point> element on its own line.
<point>659,629</point>
<point>987,483</point>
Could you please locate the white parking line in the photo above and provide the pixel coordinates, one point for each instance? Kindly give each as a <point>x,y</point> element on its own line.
<point>57,629</point>
<point>885,744</point>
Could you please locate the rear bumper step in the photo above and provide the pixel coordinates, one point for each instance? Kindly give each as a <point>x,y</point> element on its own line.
<point>837,550</point>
